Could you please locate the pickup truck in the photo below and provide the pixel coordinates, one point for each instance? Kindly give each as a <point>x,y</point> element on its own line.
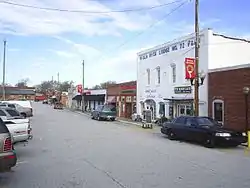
<point>20,129</point>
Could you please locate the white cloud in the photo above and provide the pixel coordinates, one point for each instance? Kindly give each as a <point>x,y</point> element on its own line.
<point>33,21</point>
<point>63,54</point>
<point>13,50</point>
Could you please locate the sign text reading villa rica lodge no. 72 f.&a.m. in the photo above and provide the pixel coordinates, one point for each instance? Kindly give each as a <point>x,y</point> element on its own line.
<point>168,48</point>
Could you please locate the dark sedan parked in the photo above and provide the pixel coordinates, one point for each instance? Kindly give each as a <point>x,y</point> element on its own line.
<point>203,130</point>
<point>104,112</point>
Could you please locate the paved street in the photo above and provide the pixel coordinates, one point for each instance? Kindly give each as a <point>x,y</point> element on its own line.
<point>70,150</point>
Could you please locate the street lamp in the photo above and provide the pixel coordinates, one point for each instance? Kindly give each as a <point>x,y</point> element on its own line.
<point>201,78</point>
<point>246,91</point>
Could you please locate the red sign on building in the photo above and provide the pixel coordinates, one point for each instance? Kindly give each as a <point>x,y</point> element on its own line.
<point>79,88</point>
<point>190,68</point>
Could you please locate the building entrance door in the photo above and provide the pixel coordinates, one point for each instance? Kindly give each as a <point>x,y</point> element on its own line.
<point>184,109</point>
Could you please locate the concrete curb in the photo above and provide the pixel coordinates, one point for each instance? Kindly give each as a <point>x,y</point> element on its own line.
<point>122,121</point>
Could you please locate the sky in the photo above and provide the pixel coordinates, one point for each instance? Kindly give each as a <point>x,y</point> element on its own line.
<point>41,43</point>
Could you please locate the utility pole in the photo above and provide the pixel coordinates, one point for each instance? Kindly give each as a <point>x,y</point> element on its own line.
<point>83,102</point>
<point>197,46</point>
<point>4,57</point>
<point>58,78</point>
<point>52,79</point>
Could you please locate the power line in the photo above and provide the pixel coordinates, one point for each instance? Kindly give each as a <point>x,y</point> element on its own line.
<point>88,12</point>
<point>149,27</point>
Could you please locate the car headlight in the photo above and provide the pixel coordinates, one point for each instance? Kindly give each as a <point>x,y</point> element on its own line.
<point>223,134</point>
<point>244,134</point>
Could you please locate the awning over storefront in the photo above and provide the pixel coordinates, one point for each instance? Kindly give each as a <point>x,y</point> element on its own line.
<point>90,97</point>
<point>111,99</point>
<point>94,97</point>
<point>77,97</point>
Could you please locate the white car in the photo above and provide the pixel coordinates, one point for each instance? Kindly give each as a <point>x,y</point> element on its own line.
<point>24,104</point>
<point>19,127</point>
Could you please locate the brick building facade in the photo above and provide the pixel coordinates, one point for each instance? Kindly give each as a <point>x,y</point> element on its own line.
<point>226,101</point>
<point>17,93</point>
<point>123,96</point>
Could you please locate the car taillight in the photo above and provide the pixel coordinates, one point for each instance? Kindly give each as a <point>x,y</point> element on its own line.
<point>7,145</point>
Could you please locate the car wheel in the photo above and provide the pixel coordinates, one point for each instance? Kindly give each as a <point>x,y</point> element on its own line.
<point>92,117</point>
<point>112,119</point>
<point>171,135</point>
<point>209,142</point>
<point>24,115</point>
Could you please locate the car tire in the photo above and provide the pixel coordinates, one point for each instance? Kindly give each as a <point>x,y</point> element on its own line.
<point>92,117</point>
<point>171,135</point>
<point>209,142</point>
<point>23,115</point>
<point>112,119</point>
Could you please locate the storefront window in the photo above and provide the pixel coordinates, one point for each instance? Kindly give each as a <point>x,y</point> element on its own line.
<point>188,110</point>
<point>162,109</point>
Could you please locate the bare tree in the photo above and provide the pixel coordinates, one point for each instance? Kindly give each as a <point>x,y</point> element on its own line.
<point>23,83</point>
<point>104,85</point>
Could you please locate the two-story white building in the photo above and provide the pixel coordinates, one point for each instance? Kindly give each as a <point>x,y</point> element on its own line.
<point>161,83</point>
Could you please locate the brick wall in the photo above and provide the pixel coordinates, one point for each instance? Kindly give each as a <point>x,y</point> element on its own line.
<point>19,97</point>
<point>114,90</point>
<point>228,86</point>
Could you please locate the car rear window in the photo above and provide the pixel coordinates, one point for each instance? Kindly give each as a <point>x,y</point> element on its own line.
<point>11,106</point>
<point>13,112</point>
<point>3,128</point>
<point>109,108</point>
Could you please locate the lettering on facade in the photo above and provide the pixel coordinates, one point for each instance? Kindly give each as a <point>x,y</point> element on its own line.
<point>166,49</point>
<point>150,93</point>
<point>182,90</point>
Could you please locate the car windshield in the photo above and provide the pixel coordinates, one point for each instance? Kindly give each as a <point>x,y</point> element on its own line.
<point>206,121</point>
<point>109,108</point>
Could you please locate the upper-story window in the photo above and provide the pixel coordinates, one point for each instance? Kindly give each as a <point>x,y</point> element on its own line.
<point>173,67</point>
<point>148,76</point>
<point>158,69</point>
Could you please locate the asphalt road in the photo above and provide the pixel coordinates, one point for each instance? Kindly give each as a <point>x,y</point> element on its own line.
<point>70,150</point>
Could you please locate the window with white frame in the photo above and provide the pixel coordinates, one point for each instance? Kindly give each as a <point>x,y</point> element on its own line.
<point>158,69</point>
<point>173,66</point>
<point>148,76</point>
<point>218,110</point>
